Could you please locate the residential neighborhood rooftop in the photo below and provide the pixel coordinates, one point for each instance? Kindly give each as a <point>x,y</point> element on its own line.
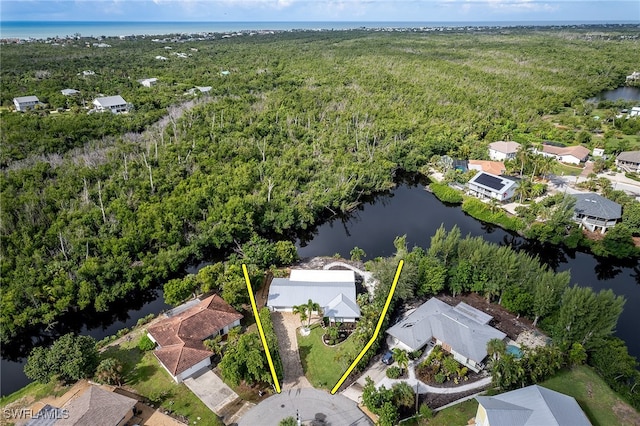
<point>493,182</point>
<point>576,150</point>
<point>630,156</point>
<point>505,146</point>
<point>110,101</point>
<point>22,99</point>
<point>595,205</point>
<point>493,167</point>
<point>532,406</point>
<point>96,407</point>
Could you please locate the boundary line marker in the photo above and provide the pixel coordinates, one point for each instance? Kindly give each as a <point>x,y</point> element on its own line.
<point>260,330</point>
<point>375,333</point>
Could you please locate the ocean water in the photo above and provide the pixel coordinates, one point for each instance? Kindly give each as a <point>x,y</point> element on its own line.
<point>43,30</point>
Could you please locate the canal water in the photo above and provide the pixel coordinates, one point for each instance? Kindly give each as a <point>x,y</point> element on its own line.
<point>626,93</point>
<point>408,209</point>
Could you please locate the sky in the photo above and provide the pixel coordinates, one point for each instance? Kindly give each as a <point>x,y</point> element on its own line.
<point>321,10</point>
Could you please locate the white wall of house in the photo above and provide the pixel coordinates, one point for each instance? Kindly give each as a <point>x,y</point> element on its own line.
<point>570,159</point>
<point>191,371</point>
<point>500,156</point>
<point>482,192</point>
<point>226,329</point>
<point>23,106</point>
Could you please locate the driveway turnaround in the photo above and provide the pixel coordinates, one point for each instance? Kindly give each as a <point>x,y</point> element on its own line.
<point>313,406</point>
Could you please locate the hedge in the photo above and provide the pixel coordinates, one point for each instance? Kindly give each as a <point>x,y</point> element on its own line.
<point>445,193</point>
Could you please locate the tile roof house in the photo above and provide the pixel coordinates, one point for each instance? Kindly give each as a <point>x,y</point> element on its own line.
<point>629,161</point>
<point>115,104</point>
<point>24,103</point>
<point>463,330</point>
<point>503,150</point>
<point>333,290</point>
<point>95,406</point>
<point>180,336</point>
<point>487,185</point>
<point>492,167</point>
<point>530,406</point>
<point>596,213</point>
<point>566,154</point>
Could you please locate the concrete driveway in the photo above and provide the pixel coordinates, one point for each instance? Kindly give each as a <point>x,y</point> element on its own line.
<point>314,407</point>
<point>211,390</point>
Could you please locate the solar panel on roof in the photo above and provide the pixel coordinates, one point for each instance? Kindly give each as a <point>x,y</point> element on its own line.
<point>490,181</point>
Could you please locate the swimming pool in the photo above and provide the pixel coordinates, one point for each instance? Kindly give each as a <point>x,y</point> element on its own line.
<point>514,350</point>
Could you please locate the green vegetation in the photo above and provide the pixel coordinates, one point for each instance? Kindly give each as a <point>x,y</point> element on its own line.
<point>283,142</point>
<point>324,365</point>
<point>445,193</point>
<point>484,212</point>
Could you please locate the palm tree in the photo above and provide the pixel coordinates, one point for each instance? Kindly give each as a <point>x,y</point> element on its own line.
<point>302,311</point>
<point>401,358</point>
<point>524,189</point>
<point>496,348</point>
<point>306,311</point>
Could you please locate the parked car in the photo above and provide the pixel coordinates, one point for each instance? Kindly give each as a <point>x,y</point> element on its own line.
<point>387,358</point>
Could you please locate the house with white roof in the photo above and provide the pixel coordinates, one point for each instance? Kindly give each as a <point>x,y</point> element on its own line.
<point>24,103</point>
<point>530,406</point>
<point>595,212</point>
<point>69,92</point>
<point>485,185</point>
<point>148,82</point>
<point>635,112</point>
<point>115,104</point>
<point>333,290</point>
<point>463,331</point>
<point>503,150</point>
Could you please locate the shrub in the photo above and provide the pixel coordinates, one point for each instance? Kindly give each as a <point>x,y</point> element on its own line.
<point>415,354</point>
<point>289,421</point>
<point>479,210</point>
<point>446,193</point>
<point>440,377</point>
<point>425,412</point>
<point>393,372</point>
<point>145,344</point>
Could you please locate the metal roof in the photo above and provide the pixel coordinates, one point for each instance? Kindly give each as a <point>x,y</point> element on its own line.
<point>31,98</point>
<point>546,407</point>
<point>341,307</point>
<point>331,275</point>
<point>110,101</point>
<point>595,205</point>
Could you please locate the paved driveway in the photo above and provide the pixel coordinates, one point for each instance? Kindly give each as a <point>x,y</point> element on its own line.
<point>285,325</point>
<point>314,407</point>
<point>211,390</point>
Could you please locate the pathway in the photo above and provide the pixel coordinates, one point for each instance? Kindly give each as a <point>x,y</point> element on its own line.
<point>285,325</point>
<point>367,277</point>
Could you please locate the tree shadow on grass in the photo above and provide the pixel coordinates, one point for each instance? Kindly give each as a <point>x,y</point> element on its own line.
<point>131,358</point>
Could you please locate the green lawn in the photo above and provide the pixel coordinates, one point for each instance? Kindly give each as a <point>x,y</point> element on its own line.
<point>146,376</point>
<point>603,406</point>
<point>324,365</point>
<point>566,170</point>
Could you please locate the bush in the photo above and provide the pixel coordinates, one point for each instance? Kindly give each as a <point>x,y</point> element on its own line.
<point>145,344</point>
<point>415,354</point>
<point>425,412</point>
<point>481,211</point>
<point>445,193</point>
<point>393,372</point>
<point>144,320</point>
<point>440,377</point>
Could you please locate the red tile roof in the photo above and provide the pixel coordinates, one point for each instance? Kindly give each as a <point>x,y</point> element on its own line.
<point>181,336</point>
<point>494,167</point>
<point>579,152</point>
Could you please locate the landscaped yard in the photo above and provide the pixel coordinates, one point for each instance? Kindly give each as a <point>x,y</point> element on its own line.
<point>598,401</point>
<point>145,376</point>
<point>324,365</point>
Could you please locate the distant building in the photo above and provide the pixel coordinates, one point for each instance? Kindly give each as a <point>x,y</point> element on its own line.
<point>530,406</point>
<point>201,89</point>
<point>180,336</point>
<point>334,291</point>
<point>598,152</point>
<point>161,58</point>
<point>487,185</point>
<point>115,104</point>
<point>148,82</point>
<point>224,72</point>
<point>463,331</point>
<point>629,161</point>
<point>492,167</point>
<point>565,154</point>
<point>503,150</point>
<point>635,76</point>
<point>69,92</point>
<point>635,112</point>
<point>596,213</point>
<point>87,73</point>
<point>24,103</point>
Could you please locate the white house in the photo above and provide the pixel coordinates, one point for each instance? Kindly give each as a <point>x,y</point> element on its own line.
<point>24,103</point>
<point>462,331</point>
<point>201,89</point>
<point>503,150</point>
<point>333,290</point>
<point>161,58</point>
<point>565,154</point>
<point>598,152</point>
<point>115,104</point>
<point>635,112</point>
<point>148,82</point>
<point>69,92</point>
<point>596,213</point>
<point>181,334</point>
<point>530,406</point>
<point>486,185</point>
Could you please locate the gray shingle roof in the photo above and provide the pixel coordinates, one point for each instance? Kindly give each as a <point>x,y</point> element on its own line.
<point>47,416</point>
<point>630,156</point>
<point>466,334</point>
<point>594,205</point>
<point>97,407</point>
<point>546,407</point>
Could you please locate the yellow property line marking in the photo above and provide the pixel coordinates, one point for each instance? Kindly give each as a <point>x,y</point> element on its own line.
<point>375,333</point>
<point>260,330</point>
